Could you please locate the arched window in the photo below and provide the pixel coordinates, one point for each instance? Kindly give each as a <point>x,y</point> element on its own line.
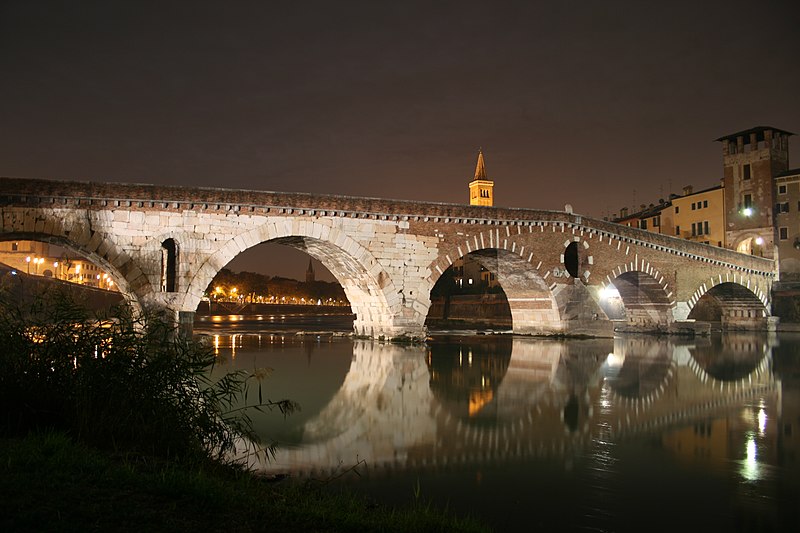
<point>571,259</point>
<point>169,265</point>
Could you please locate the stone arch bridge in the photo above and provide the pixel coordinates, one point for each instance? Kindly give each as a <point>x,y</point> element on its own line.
<point>163,246</point>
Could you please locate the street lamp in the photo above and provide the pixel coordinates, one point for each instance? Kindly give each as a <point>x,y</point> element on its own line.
<point>28,260</point>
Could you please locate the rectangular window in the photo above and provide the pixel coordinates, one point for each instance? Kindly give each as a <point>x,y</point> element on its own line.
<point>693,206</point>
<point>782,207</point>
<point>656,222</point>
<point>746,172</point>
<point>643,224</point>
<point>14,246</point>
<point>678,231</point>
<point>784,233</point>
<point>748,200</point>
<point>694,229</point>
<point>677,209</point>
<point>705,227</point>
<point>781,189</point>
<point>705,203</point>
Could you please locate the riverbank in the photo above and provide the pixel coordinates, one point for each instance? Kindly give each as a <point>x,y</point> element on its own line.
<point>50,483</point>
<point>207,308</point>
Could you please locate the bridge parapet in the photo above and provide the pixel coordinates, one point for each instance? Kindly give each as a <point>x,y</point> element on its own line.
<point>386,253</point>
<point>22,192</point>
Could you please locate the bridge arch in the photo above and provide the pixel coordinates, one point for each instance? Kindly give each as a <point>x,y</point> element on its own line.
<point>732,304</point>
<point>534,307</point>
<point>103,252</point>
<point>646,297</point>
<point>372,294</point>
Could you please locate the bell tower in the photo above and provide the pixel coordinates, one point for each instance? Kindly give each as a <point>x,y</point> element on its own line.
<point>481,189</point>
<point>751,159</point>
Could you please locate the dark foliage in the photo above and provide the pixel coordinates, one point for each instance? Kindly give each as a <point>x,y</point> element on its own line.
<point>120,383</point>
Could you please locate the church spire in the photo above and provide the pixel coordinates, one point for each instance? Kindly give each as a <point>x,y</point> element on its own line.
<point>480,168</point>
<point>310,277</point>
<point>481,188</point>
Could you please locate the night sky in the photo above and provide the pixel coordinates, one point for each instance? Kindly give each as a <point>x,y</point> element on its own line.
<point>597,104</point>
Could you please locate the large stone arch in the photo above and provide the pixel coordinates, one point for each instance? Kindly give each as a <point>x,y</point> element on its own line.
<point>646,295</point>
<point>534,307</point>
<point>371,292</point>
<point>94,247</point>
<point>734,305</point>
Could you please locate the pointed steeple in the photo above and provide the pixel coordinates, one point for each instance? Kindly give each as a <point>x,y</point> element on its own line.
<point>310,277</point>
<point>481,188</point>
<point>480,168</point>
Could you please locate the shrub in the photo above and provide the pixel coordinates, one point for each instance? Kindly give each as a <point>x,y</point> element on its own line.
<point>120,383</point>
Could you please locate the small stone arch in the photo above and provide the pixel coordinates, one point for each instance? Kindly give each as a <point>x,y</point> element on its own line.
<point>749,244</point>
<point>371,291</point>
<point>645,294</point>
<point>534,308</point>
<point>736,305</point>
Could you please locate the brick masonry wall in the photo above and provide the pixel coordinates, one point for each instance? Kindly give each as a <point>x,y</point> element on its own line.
<point>387,254</point>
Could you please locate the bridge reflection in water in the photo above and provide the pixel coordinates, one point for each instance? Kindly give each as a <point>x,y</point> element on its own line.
<point>465,409</point>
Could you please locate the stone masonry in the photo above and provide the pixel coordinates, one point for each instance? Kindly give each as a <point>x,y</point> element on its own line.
<point>387,254</point>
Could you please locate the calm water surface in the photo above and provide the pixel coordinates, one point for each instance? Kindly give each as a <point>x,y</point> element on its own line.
<point>630,434</point>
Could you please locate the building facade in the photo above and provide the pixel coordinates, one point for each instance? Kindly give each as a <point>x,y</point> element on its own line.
<point>751,160</point>
<point>700,216</point>
<point>40,259</point>
<point>787,224</point>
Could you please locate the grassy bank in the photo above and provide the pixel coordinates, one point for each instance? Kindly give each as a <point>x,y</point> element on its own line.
<point>115,423</point>
<point>50,483</point>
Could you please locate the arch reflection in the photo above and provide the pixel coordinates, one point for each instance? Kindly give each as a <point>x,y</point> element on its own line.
<point>476,400</point>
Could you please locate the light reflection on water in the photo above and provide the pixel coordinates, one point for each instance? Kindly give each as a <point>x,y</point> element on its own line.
<point>630,434</point>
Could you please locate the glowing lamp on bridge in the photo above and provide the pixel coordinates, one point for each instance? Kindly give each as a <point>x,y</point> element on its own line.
<point>609,291</point>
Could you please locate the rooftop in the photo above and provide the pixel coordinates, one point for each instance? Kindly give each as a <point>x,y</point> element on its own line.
<point>758,130</point>
<point>790,172</point>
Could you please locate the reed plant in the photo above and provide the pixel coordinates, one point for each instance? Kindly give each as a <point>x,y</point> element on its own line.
<point>120,382</point>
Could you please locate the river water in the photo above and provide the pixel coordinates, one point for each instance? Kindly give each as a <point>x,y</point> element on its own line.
<point>636,433</point>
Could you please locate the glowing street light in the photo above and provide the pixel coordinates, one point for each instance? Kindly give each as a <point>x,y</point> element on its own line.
<point>747,211</point>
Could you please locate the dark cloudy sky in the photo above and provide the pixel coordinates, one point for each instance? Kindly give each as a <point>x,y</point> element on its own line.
<point>597,104</point>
